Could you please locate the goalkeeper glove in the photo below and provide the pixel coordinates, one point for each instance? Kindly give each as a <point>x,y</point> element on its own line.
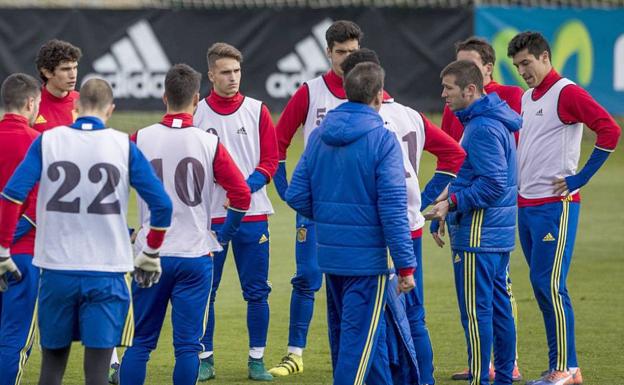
<point>7,266</point>
<point>147,268</point>
<point>256,181</point>
<point>280,180</point>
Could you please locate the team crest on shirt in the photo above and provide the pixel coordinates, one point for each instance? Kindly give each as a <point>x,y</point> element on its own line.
<point>40,120</point>
<point>302,234</point>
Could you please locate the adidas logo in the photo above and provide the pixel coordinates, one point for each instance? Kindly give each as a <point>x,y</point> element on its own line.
<point>40,120</point>
<point>307,62</point>
<point>457,259</point>
<point>263,239</point>
<point>539,113</point>
<point>548,238</point>
<point>241,131</point>
<point>136,65</point>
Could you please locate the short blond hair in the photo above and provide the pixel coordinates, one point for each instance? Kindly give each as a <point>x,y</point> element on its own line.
<point>222,50</point>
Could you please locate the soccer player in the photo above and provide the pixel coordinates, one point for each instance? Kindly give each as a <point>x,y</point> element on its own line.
<point>307,108</point>
<point>416,133</point>
<point>172,147</point>
<point>20,95</point>
<point>554,110</point>
<point>481,206</point>
<point>57,63</point>
<point>245,128</point>
<point>357,219</point>
<point>82,245</point>
<point>480,52</point>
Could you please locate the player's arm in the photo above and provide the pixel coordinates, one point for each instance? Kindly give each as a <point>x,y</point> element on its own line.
<point>228,175</point>
<point>292,117</point>
<point>577,106</point>
<point>392,204</point>
<point>28,220</point>
<point>450,156</point>
<point>268,153</point>
<point>299,193</point>
<point>16,191</point>
<point>490,173</point>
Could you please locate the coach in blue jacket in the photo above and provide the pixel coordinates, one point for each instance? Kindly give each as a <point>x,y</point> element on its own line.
<point>350,180</point>
<point>481,206</point>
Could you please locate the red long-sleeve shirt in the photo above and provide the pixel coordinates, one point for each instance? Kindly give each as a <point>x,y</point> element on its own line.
<point>449,153</point>
<point>16,136</point>
<point>511,94</point>
<point>55,111</point>
<point>575,105</point>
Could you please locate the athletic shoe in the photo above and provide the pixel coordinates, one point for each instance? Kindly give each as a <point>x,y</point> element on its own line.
<point>577,377</point>
<point>555,377</point>
<point>464,375</point>
<point>516,376</point>
<point>206,369</point>
<point>113,374</point>
<point>291,364</point>
<point>257,372</point>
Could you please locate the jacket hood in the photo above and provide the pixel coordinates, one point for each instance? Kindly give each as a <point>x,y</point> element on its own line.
<point>347,123</point>
<point>491,106</point>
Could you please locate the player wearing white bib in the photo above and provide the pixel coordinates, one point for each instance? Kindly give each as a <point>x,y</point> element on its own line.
<point>553,112</point>
<point>245,129</point>
<point>189,161</point>
<point>82,246</point>
<point>416,134</point>
<point>306,109</point>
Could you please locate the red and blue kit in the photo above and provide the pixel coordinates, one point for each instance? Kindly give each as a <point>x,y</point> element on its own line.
<point>245,129</point>
<point>550,145</point>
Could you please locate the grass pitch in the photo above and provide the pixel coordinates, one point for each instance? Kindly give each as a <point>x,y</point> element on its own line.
<point>595,283</point>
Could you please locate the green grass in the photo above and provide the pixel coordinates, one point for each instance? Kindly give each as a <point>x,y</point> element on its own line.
<point>595,284</point>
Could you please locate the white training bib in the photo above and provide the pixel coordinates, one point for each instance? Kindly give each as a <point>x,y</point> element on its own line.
<point>409,128</point>
<point>548,148</point>
<point>321,101</point>
<point>83,201</point>
<point>183,159</point>
<point>239,133</point>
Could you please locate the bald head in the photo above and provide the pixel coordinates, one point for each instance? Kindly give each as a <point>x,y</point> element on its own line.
<point>96,96</point>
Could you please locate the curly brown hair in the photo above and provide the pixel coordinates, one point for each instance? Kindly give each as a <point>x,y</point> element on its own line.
<point>53,53</point>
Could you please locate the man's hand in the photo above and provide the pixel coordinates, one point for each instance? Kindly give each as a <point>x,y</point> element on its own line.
<point>561,187</point>
<point>439,212</point>
<point>437,229</point>
<point>406,283</point>
<point>7,266</point>
<point>226,204</point>
<point>147,269</point>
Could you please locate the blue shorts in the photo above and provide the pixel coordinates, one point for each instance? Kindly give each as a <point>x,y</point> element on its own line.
<point>91,307</point>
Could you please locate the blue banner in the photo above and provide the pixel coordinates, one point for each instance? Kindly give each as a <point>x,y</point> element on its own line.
<point>587,46</point>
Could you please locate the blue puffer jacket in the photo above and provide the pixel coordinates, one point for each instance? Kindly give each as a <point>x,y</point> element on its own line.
<point>486,185</point>
<point>350,181</point>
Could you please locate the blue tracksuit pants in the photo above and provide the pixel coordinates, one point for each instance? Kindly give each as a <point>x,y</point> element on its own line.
<point>18,320</point>
<point>306,282</point>
<point>186,283</point>
<point>486,314</point>
<point>250,247</point>
<point>547,234</point>
<point>415,310</point>
<point>355,318</point>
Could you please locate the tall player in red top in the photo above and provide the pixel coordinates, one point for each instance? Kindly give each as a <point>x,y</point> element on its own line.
<point>307,108</point>
<point>554,110</point>
<point>57,63</point>
<point>20,98</point>
<point>245,129</point>
<point>482,54</point>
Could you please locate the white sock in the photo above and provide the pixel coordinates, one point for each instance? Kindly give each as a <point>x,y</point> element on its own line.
<point>256,352</point>
<point>573,369</point>
<point>295,350</point>
<point>114,358</point>
<point>204,355</point>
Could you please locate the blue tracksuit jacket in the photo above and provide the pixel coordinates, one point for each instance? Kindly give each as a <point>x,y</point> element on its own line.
<point>350,181</point>
<point>486,185</point>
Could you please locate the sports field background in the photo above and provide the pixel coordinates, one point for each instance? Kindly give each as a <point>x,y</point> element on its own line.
<point>596,284</point>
